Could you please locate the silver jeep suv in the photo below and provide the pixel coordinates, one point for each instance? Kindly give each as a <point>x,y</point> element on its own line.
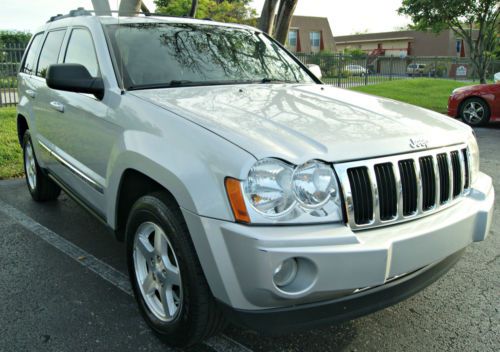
<point>245,189</point>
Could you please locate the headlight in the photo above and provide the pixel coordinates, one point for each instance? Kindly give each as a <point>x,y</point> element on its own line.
<point>313,184</point>
<point>268,187</point>
<point>474,158</point>
<point>278,192</point>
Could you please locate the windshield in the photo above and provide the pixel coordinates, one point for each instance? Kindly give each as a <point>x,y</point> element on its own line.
<point>156,54</point>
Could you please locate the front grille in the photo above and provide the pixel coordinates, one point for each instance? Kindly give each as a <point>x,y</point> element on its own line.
<point>444,177</point>
<point>404,187</point>
<point>361,194</point>
<point>388,198</point>
<point>428,182</point>
<point>408,186</point>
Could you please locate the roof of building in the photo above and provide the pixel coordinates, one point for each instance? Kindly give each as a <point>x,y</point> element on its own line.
<point>376,36</point>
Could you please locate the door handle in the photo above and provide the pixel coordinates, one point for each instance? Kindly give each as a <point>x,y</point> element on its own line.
<point>57,106</point>
<point>31,93</point>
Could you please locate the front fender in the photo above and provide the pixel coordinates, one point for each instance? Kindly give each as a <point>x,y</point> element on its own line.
<point>191,169</point>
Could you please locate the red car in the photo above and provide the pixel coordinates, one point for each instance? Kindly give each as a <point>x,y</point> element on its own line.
<point>476,105</point>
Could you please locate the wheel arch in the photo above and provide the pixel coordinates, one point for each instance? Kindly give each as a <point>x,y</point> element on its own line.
<point>133,185</point>
<point>22,127</point>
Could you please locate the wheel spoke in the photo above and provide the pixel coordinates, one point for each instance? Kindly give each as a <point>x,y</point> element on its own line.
<point>160,243</point>
<point>145,248</point>
<point>167,301</point>
<point>173,275</point>
<point>149,284</point>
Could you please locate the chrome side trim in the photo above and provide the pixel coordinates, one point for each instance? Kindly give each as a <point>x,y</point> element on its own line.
<point>92,183</point>
<point>341,170</point>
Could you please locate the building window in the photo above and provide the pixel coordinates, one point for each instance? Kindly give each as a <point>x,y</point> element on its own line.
<point>315,40</point>
<point>292,39</point>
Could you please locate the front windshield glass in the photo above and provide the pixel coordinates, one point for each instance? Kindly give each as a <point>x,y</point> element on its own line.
<point>186,54</point>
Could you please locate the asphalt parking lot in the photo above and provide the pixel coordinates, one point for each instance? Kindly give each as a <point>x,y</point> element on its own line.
<point>63,287</point>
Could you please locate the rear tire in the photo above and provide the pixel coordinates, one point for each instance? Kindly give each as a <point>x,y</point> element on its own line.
<point>41,187</point>
<point>475,112</point>
<point>164,267</point>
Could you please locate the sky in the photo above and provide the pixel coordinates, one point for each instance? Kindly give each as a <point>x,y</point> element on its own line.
<point>345,17</point>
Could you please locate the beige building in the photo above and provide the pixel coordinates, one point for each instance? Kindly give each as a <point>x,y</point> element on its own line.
<point>310,35</point>
<point>406,43</point>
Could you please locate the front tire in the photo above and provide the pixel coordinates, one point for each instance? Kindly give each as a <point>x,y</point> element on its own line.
<point>475,112</point>
<point>169,285</point>
<point>41,187</point>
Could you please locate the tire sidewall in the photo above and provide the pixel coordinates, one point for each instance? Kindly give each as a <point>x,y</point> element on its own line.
<point>34,191</point>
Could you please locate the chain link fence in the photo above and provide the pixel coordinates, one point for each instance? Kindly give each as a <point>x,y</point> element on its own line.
<point>339,70</point>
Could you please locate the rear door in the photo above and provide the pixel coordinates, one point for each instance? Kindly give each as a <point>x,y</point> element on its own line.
<point>43,113</point>
<point>26,91</point>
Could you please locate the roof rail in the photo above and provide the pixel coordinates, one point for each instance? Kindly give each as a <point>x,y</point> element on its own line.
<point>82,12</point>
<point>73,13</point>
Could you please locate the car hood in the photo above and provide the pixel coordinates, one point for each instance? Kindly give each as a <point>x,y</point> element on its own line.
<point>302,122</point>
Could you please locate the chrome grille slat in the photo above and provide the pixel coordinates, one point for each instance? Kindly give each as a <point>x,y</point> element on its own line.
<point>399,188</point>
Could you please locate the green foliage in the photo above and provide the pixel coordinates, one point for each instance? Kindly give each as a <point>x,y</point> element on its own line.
<point>11,161</point>
<point>355,52</point>
<point>14,37</point>
<point>443,14</point>
<point>234,11</point>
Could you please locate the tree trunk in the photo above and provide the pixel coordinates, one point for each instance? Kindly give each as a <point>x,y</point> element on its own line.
<point>101,7</point>
<point>285,13</point>
<point>129,7</point>
<point>144,8</point>
<point>194,8</point>
<point>266,20</point>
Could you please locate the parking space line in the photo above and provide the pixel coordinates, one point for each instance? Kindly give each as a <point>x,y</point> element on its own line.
<point>102,269</point>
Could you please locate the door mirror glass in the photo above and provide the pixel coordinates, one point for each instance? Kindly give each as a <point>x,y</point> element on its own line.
<point>315,70</point>
<point>74,78</point>
<point>497,77</point>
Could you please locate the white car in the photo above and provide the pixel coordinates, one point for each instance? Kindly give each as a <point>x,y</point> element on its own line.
<point>356,70</point>
<point>244,189</point>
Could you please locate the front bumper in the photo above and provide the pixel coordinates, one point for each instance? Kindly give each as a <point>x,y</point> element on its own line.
<point>307,316</point>
<point>334,262</point>
<point>453,106</point>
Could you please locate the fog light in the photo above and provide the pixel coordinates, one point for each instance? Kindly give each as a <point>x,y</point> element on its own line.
<point>285,272</point>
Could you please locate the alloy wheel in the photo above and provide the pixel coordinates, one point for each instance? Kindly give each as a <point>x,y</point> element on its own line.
<point>157,272</point>
<point>30,165</point>
<point>473,112</point>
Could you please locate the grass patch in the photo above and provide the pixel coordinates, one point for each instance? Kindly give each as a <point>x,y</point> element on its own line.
<point>11,160</point>
<point>428,93</point>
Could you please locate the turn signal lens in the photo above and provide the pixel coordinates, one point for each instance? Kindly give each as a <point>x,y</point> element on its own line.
<point>233,189</point>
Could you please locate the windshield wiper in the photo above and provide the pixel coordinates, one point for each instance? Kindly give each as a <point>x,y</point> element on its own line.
<point>276,80</point>
<point>173,83</point>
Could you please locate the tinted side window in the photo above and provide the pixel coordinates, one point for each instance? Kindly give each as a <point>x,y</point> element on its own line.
<point>50,51</point>
<point>29,61</point>
<point>81,51</point>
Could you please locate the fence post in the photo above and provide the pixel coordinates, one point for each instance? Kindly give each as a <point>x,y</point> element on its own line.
<point>339,70</point>
<point>390,69</point>
<point>366,70</point>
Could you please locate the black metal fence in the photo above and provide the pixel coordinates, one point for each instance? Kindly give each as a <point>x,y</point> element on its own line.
<point>350,71</point>
<point>10,58</point>
<point>340,70</point>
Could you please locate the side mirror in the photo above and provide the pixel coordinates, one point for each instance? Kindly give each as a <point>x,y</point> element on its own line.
<point>497,77</point>
<point>315,70</point>
<point>74,78</point>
